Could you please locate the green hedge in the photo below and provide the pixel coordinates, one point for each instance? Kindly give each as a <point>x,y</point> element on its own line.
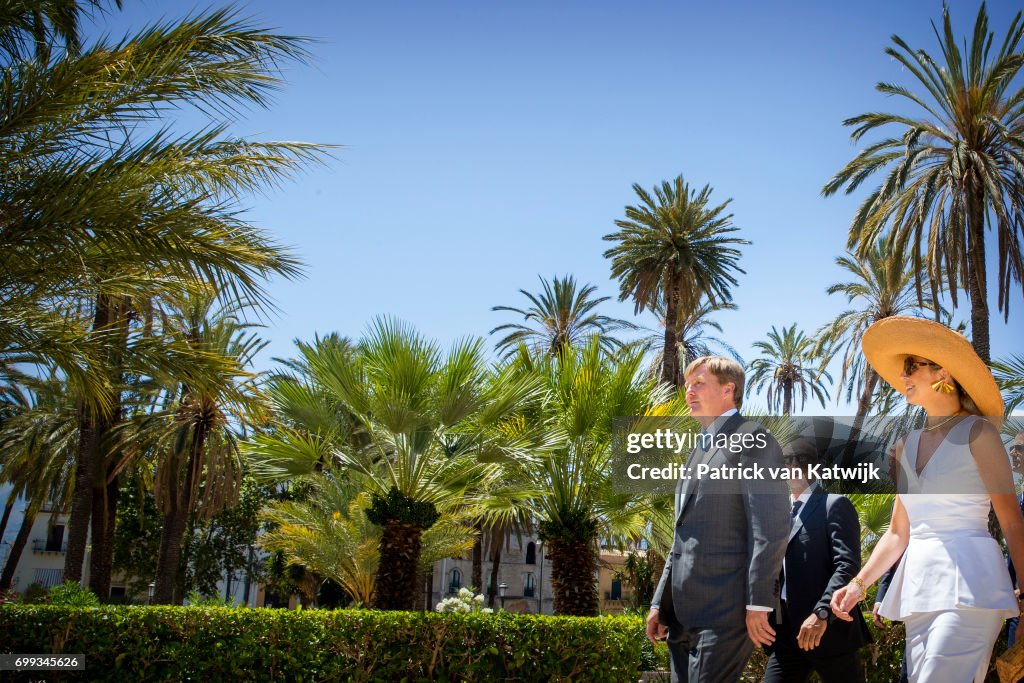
<point>217,644</point>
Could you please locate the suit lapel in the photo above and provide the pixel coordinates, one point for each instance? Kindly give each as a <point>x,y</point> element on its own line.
<point>686,487</point>
<point>817,498</point>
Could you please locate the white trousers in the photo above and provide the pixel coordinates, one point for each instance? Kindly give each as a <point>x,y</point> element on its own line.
<point>951,646</point>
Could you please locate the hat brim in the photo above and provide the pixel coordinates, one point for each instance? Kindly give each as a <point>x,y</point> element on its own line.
<point>890,340</point>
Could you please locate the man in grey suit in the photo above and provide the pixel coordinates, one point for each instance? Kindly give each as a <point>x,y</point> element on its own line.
<point>721,579</point>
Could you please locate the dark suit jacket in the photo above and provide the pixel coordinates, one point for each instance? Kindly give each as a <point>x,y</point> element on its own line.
<point>730,537</point>
<point>822,556</point>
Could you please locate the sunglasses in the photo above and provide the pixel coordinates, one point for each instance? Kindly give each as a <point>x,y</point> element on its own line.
<point>1017,449</point>
<point>910,365</point>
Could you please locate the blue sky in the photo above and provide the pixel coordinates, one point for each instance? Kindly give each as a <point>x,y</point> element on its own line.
<point>488,143</point>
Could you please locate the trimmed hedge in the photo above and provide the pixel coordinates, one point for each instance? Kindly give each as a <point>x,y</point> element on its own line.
<point>127,643</point>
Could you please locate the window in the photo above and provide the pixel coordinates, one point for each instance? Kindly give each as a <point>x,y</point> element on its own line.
<point>616,589</point>
<point>531,553</point>
<point>456,582</point>
<point>55,539</point>
<point>528,585</point>
<point>48,578</point>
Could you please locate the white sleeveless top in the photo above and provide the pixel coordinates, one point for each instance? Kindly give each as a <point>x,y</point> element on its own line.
<point>951,561</point>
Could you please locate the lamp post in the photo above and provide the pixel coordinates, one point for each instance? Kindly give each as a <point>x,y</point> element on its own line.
<point>152,587</point>
<point>502,587</point>
<point>540,586</point>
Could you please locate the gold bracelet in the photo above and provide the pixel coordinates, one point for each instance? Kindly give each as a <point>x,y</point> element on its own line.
<point>859,582</point>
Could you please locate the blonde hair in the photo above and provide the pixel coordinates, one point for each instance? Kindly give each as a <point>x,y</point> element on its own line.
<point>725,370</point>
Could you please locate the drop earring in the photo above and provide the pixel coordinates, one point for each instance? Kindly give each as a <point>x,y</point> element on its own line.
<point>943,387</point>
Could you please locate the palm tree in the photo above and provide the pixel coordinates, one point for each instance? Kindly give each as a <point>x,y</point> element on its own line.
<point>575,499</point>
<point>674,247</point>
<point>37,443</point>
<point>950,172</point>
<point>120,215</point>
<point>426,443</point>
<point>881,286</point>
<point>789,368</point>
<point>693,336</point>
<point>329,534</point>
<point>561,315</point>
<point>199,470</point>
<point>1009,374</point>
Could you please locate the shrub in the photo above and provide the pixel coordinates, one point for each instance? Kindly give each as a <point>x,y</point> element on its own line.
<point>71,594</point>
<point>190,643</point>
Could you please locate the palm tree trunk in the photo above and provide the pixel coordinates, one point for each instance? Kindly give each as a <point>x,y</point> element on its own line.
<point>175,521</point>
<point>670,355</point>
<point>104,513</point>
<point>93,424</point>
<point>7,578</point>
<point>787,398</point>
<point>477,580</point>
<point>864,404</point>
<point>976,283</point>
<point>89,435</point>
<point>495,569</point>
<point>397,575</point>
<point>7,513</point>
<point>573,571</point>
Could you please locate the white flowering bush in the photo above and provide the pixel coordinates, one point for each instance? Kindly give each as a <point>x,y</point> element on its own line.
<point>464,601</point>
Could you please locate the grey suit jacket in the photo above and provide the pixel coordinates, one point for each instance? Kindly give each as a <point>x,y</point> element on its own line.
<point>730,537</point>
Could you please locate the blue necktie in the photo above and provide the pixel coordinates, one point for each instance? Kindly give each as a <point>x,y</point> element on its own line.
<point>796,507</point>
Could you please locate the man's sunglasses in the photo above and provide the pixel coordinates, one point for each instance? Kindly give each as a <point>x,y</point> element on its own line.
<point>1017,449</point>
<point>910,365</point>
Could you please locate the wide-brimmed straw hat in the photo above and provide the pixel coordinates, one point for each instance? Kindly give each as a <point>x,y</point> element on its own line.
<point>889,341</point>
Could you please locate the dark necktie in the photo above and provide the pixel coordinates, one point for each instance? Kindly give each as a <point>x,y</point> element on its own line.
<point>796,507</point>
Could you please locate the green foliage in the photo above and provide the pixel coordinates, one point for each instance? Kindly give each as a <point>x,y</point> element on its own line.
<point>136,539</point>
<point>572,525</point>
<point>187,643</point>
<point>71,594</point>
<point>199,600</point>
<point>397,507</point>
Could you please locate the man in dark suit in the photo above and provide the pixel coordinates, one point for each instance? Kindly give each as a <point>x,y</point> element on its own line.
<point>822,556</point>
<point>720,581</point>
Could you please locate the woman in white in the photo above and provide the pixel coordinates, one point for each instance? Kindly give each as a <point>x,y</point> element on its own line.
<point>952,588</point>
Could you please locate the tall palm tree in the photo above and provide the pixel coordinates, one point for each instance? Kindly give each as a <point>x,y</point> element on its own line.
<point>561,315</point>
<point>426,442</point>
<point>674,247</point>
<point>37,445</point>
<point>120,214</point>
<point>789,368</point>
<point>199,470</point>
<point>951,171</point>
<point>880,287</point>
<point>575,499</point>
<point>694,337</point>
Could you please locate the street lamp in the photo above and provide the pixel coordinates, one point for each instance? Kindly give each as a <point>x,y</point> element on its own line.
<point>540,586</point>
<point>152,587</point>
<point>501,593</point>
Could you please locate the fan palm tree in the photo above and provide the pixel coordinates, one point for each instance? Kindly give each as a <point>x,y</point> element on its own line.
<point>693,336</point>
<point>576,501</point>
<point>789,368</point>
<point>674,247</point>
<point>880,287</point>
<point>561,315</point>
<point>951,171</point>
<point>329,534</point>
<point>426,426</point>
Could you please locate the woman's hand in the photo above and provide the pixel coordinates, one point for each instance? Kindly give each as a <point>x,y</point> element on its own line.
<point>844,600</point>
